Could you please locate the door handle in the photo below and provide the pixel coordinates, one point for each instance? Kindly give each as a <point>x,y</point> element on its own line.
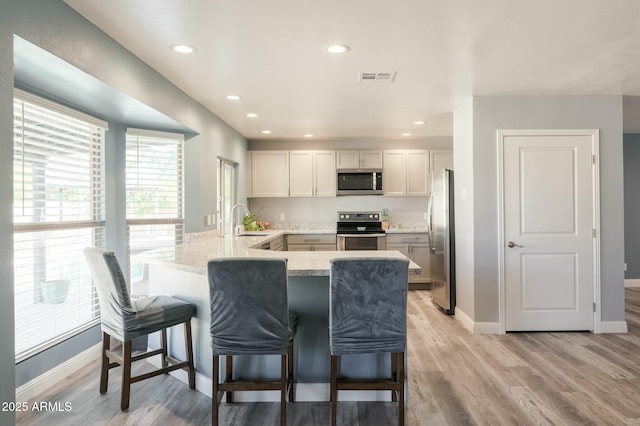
<point>511,244</point>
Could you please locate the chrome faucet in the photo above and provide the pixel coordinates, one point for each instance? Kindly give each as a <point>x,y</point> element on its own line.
<point>234,232</point>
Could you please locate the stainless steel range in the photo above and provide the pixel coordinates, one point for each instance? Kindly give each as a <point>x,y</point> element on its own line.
<point>360,231</point>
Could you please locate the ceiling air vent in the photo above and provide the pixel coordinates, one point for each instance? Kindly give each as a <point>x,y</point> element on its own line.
<point>388,77</point>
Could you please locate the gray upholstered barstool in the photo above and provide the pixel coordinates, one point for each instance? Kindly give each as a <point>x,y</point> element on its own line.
<point>124,319</point>
<point>250,316</point>
<point>368,314</point>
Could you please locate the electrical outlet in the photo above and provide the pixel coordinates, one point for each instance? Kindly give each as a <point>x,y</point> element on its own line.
<point>281,217</point>
<point>209,219</point>
<point>625,266</point>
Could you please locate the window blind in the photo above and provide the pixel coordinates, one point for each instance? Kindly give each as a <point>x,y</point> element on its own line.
<point>154,187</point>
<point>58,181</point>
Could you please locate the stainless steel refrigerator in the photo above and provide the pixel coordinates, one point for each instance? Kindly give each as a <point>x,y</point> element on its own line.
<point>441,241</point>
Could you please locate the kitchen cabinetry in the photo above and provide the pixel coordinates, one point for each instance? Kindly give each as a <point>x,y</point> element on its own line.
<point>352,159</point>
<point>416,248</point>
<point>311,242</point>
<point>439,159</point>
<point>274,245</point>
<point>406,173</point>
<point>312,174</point>
<point>269,173</point>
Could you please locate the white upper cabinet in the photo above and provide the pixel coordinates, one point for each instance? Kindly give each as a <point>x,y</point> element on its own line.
<point>440,159</point>
<point>418,173</point>
<point>312,174</point>
<point>353,159</point>
<point>269,173</point>
<point>325,173</point>
<point>406,173</point>
<point>394,173</point>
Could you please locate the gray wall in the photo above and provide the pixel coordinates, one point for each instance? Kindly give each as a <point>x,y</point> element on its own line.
<point>544,112</point>
<point>632,205</point>
<point>56,28</point>
<point>7,348</point>
<point>464,206</point>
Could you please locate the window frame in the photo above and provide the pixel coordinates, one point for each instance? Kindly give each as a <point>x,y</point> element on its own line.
<point>178,220</point>
<point>96,223</point>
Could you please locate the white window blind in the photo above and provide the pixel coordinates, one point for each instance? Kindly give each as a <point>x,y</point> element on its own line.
<point>154,186</point>
<point>58,210</point>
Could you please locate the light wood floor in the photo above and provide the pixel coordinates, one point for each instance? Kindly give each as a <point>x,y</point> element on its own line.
<point>456,378</point>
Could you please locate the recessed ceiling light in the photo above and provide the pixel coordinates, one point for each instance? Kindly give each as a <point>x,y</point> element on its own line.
<point>233,97</point>
<point>418,122</point>
<point>406,134</point>
<point>308,135</point>
<point>266,132</point>
<point>337,48</point>
<point>252,115</point>
<point>183,48</point>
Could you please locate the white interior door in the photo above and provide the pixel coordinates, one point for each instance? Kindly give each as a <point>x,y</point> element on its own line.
<point>548,229</point>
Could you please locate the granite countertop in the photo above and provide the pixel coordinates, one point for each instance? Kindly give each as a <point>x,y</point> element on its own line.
<point>193,255</point>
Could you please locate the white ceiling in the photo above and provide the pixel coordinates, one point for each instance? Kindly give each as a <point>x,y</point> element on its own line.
<point>270,53</point>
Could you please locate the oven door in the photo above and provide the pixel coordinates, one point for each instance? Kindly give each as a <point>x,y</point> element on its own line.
<point>361,242</point>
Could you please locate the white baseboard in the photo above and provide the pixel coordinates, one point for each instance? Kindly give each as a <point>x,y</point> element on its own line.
<point>494,328</point>
<point>614,327</point>
<point>464,319</point>
<point>44,381</point>
<point>632,283</point>
<point>476,327</point>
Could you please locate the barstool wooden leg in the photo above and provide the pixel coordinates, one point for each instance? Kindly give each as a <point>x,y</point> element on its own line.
<point>126,375</point>
<point>214,390</point>
<point>191,371</point>
<point>163,346</point>
<point>290,381</point>
<point>229,376</point>
<point>104,370</point>
<point>394,374</point>
<point>401,391</point>
<point>283,390</point>
<point>333,393</point>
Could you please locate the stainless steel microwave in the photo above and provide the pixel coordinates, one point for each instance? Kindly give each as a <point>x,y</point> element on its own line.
<point>359,182</point>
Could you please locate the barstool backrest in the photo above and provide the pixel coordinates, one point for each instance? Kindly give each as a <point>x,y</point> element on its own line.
<point>368,305</point>
<point>249,306</point>
<point>111,286</point>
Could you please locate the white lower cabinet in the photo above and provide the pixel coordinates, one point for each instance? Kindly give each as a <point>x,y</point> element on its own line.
<point>277,244</point>
<point>416,248</point>
<point>311,242</point>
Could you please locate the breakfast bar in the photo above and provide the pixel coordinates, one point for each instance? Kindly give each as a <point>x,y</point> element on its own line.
<point>181,271</point>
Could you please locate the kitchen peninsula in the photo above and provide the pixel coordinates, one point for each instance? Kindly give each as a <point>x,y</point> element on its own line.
<point>181,271</point>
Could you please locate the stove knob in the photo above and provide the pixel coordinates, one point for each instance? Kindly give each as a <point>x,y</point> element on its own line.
<point>341,216</point>
<point>346,216</point>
